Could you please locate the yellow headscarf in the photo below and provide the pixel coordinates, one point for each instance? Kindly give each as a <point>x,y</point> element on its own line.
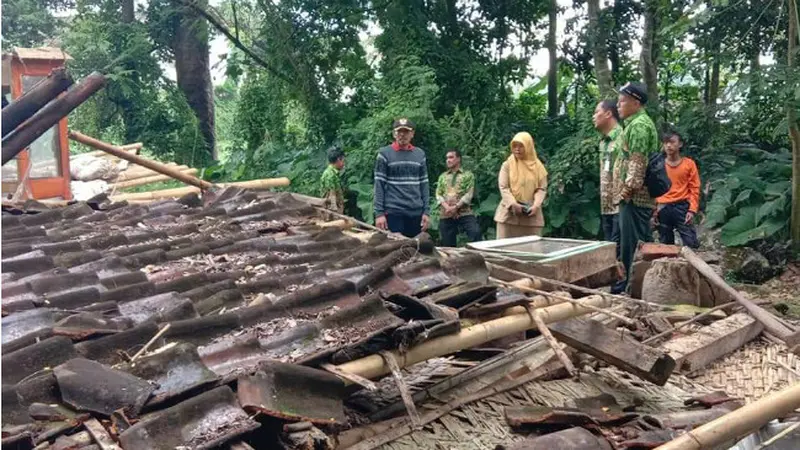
<point>525,175</point>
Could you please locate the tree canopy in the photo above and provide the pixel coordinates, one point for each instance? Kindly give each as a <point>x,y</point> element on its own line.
<point>301,75</point>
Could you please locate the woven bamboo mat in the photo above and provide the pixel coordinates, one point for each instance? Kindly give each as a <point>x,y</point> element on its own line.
<point>482,425</point>
<point>753,371</point>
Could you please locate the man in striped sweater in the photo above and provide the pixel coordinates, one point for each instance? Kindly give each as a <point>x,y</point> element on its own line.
<point>402,194</point>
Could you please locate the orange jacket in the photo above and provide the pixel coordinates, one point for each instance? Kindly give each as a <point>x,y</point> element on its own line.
<point>685,184</point>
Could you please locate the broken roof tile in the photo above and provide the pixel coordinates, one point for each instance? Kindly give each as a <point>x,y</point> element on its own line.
<point>292,392</point>
<point>90,386</point>
<point>27,361</point>
<point>201,422</point>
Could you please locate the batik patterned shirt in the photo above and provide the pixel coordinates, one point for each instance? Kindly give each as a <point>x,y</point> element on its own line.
<point>609,149</point>
<point>456,187</point>
<point>639,142</point>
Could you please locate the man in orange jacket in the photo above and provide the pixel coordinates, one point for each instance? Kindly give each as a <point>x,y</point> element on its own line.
<point>676,209</point>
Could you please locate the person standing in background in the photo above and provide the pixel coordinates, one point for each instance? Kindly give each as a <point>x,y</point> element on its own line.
<point>676,209</point>
<point>331,181</point>
<point>606,121</point>
<point>402,191</point>
<point>454,191</point>
<point>523,188</point>
<point>639,141</point>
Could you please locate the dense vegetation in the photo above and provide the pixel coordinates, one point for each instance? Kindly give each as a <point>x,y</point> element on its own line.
<point>306,74</point>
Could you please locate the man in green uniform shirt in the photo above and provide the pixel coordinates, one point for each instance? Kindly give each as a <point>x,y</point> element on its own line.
<point>606,121</point>
<point>331,181</point>
<point>639,142</point>
<point>454,192</point>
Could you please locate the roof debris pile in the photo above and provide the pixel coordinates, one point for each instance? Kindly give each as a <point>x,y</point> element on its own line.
<point>249,322</point>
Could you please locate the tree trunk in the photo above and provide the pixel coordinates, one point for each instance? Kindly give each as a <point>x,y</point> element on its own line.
<point>648,62</point>
<point>127,11</point>
<point>713,82</point>
<point>552,74</point>
<point>794,132</point>
<point>192,67</point>
<point>26,105</point>
<point>599,37</point>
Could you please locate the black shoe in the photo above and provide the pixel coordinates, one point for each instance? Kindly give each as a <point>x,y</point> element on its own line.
<point>619,287</point>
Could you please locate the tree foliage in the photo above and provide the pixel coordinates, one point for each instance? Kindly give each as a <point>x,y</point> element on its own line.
<point>306,74</point>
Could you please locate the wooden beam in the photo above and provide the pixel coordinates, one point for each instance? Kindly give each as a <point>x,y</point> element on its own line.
<point>28,103</point>
<point>615,348</point>
<point>49,115</point>
<point>150,164</point>
<point>770,322</point>
<point>704,346</point>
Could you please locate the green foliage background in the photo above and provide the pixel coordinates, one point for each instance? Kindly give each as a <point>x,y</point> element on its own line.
<point>461,71</point>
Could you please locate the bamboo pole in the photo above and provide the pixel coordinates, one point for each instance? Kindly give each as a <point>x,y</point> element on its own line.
<point>374,366</point>
<point>150,179</point>
<point>770,322</point>
<point>136,172</point>
<point>626,320</point>
<point>179,192</point>
<point>150,164</point>
<point>739,423</point>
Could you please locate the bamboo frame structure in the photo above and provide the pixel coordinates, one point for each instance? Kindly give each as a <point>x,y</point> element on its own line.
<point>374,366</point>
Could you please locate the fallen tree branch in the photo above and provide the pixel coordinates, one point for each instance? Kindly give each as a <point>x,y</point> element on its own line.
<point>217,23</point>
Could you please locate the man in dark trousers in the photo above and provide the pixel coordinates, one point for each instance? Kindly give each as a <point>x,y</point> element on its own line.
<point>454,191</point>
<point>639,141</point>
<point>677,208</point>
<point>402,193</point>
<point>606,121</point>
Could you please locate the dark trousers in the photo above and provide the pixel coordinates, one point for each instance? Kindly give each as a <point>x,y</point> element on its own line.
<point>408,226</point>
<point>449,228</point>
<point>610,224</point>
<point>672,217</point>
<point>634,226</point>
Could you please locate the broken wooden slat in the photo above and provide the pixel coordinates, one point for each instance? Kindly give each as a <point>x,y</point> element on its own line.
<point>594,338</point>
<point>351,377</point>
<point>542,327</point>
<point>699,349</point>
<point>100,435</point>
<point>405,394</point>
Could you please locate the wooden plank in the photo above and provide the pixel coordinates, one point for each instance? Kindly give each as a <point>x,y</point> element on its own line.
<point>617,349</point>
<point>100,435</point>
<point>699,349</point>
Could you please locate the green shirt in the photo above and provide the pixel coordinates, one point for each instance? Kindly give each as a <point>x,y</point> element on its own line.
<point>456,187</point>
<point>330,187</point>
<point>609,148</point>
<point>639,141</point>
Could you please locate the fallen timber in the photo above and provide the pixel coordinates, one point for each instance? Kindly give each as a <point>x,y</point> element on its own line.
<point>28,103</point>
<point>136,159</point>
<point>175,272</point>
<point>50,115</point>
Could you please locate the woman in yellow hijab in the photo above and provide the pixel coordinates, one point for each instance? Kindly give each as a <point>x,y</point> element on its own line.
<point>523,187</point>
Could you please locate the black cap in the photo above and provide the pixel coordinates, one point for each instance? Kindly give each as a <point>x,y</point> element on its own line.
<point>635,90</point>
<point>403,123</point>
